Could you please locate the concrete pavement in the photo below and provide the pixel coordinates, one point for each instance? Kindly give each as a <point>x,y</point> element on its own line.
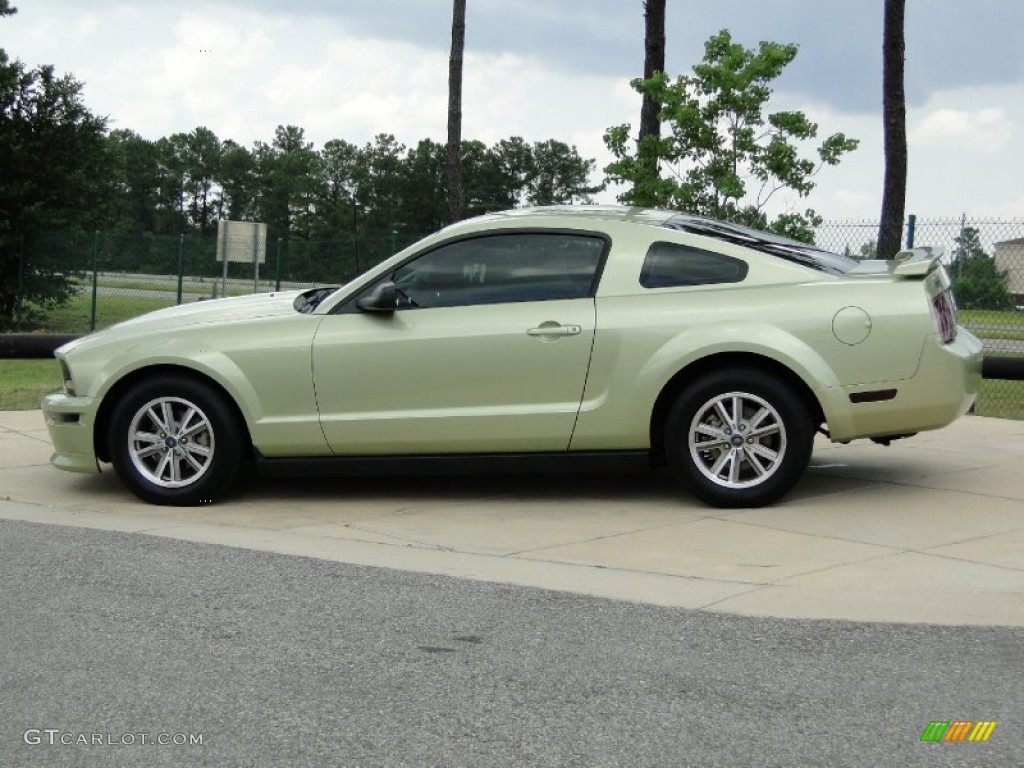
<point>928,530</point>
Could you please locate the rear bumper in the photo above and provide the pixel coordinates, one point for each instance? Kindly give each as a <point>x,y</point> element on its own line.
<point>70,423</point>
<point>943,389</point>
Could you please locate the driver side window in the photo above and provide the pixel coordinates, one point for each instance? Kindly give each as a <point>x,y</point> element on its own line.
<point>502,268</point>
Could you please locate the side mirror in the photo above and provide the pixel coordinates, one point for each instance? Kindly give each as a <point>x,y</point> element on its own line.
<point>383,298</point>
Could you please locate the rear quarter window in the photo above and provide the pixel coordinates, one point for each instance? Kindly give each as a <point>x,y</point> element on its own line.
<point>670,265</point>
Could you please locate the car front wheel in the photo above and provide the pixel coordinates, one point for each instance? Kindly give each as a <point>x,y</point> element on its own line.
<point>738,438</point>
<point>174,441</point>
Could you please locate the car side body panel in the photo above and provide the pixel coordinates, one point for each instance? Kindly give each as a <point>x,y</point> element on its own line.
<point>627,377</point>
<point>453,379</point>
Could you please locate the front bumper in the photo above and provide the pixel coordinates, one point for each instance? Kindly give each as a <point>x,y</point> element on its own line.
<point>70,423</point>
<point>943,389</point>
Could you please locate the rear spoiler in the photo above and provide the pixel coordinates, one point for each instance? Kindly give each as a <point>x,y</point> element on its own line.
<point>914,262</point>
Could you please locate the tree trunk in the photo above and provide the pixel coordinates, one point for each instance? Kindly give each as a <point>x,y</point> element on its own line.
<point>890,231</point>
<point>654,61</point>
<point>456,194</point>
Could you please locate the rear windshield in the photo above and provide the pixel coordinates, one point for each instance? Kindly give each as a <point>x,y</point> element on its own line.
<point>765,242</point>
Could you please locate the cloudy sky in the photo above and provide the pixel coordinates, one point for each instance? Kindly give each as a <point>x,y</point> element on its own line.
<point>550,69</point>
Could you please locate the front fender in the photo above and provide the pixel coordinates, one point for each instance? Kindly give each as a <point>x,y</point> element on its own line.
<point>266,371</point>
<point>179,353</point>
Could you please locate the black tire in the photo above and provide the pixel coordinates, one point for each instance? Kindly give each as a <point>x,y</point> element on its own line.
<point>196,461</point>
<point>748,461</point>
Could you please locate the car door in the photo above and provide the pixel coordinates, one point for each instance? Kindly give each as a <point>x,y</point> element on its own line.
<point>486,351</point>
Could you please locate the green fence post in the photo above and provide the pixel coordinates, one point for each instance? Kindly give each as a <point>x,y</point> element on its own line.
<point>911,226</point>
<point>277,281</point>
<point>19,296</point>
<point>95,278</point>
<point>181,264</point>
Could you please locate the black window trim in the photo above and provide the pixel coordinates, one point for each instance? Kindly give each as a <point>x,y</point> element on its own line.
<point>348,305</point>
<point>676,244</point>
<point>793,251</point>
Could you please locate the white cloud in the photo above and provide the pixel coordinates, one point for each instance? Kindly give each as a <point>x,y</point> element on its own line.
<point>243,75</point>
<point>988,130</point>
<point>146,66</point>
<point>1006,209</point>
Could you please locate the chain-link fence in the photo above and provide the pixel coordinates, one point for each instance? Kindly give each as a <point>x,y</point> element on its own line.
<point>77,282</point>
<point>74,282</point>
<point>985,259</point>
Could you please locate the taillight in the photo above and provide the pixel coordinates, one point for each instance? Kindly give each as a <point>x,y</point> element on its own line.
<point>944,308</point>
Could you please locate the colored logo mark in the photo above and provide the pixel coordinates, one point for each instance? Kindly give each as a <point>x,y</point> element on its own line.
<point>958,730</point>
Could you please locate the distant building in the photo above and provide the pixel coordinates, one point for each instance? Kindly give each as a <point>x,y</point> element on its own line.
<point>1009,256</point>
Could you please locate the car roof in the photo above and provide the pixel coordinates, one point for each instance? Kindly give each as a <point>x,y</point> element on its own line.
<point>805,254</point>
<point>578,213</point>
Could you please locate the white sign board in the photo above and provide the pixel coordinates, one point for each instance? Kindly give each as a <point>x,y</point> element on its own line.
<point>244,241</point>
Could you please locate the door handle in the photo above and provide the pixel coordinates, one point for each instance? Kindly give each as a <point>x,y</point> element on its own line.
<point>554,329</point>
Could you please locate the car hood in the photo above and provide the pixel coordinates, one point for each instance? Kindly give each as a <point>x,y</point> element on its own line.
<point>212,312</point>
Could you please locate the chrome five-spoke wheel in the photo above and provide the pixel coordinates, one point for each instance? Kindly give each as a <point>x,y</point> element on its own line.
<point>171,442</point>
<point>175,439</point>
<point>739,437</point>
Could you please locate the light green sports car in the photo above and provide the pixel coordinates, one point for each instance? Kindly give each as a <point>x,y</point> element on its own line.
<point>534,338</point>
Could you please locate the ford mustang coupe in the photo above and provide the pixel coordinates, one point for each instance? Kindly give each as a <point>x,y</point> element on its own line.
<point>547,337</point>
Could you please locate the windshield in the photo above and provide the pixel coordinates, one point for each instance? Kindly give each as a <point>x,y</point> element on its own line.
<point>765,242</point>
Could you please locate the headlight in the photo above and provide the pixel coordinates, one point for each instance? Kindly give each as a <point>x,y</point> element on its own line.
<point>65,375</point>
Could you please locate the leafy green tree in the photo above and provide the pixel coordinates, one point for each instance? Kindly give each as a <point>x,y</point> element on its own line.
<point>289,170</point>
<point>977,283</point>
<point>55,176</point>
<point>424,187</point>
<point>867,252</point>
<point>343,169</point>
<point>238,181</point>
<point>515,161</point>
<point>720,141</point>
<point>201,156</point>
<point>560,175</point>
<point>135,175</point>
<point>485,188</point>
<point>171,174</point>
<point>380,195</point>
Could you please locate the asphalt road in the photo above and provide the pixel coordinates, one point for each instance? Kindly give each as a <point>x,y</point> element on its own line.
<point>275,660</point>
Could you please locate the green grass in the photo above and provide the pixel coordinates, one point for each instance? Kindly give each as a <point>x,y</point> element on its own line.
<point>23,382</point>
<point>74,316</point>
<point>997,334</point>
<point>990,324</point>
<point>208,287</point>
<point>1002,399</point>
<point>990,317</point>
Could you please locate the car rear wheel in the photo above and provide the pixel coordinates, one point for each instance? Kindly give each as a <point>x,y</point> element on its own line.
<point>738,438</point>
<point>175,441</point>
